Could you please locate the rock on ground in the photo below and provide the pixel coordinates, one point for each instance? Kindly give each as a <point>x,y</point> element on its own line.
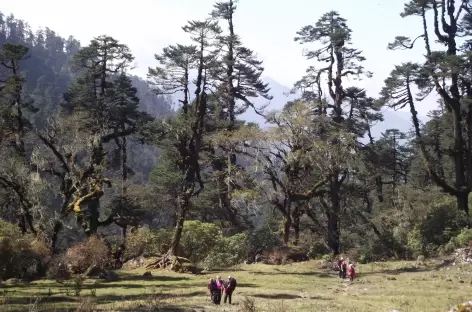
<point>109,276</point>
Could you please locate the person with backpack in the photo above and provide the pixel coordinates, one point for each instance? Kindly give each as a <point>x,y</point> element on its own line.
<point>229,289</point>
<point>340,264</point>
<point>215,293</point>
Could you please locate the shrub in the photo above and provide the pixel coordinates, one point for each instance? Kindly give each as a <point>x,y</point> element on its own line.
<point>262,240</point>
<point>438,231</point>
<point>198,239</point>
<point>327,257</point>
<point>21,255</point>
<point>274,257</point>
<point>43,255</point>
<point>462,239</point>
<point>57,269</point>
<point>353,254</point>
<point>146,242</point>
<point>228,251</point>
<point>375,248</point>
<point>415,242</point>
<point>441,224</point>
<point>94,252</point>
<point>317,250</point>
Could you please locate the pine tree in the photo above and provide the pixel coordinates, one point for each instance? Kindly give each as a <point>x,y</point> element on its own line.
<point>14,128</point>
<point>447,72</point>
<point>341,61</point>
<point>184,135</point>
<point>93,99</point>
<point>237,80</point>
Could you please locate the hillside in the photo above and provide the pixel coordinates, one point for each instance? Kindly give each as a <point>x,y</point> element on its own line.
<point>400,120</point>
<point>48,72</point>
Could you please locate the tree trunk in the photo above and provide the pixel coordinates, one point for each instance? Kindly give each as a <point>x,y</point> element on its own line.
<point>333,233</point>
<point>55,235</point>
<point>93,215</point>
<point>287,227</point>
<point>286,210</point>
<point>462,199</point>
<point>183,205</point>
<point>333,218</point>
<point>124,165</point>
<point>224,200</point>
<point>296,225</point>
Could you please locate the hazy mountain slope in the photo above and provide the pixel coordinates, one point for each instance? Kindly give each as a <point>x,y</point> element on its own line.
<point>392,119</point>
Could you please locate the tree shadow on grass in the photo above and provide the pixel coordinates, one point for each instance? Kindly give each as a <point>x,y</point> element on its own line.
<point>317,274</point>
<point>163,309</point>
<point>156,278</point>
<point>397,271</point>
<point>286,297</point>
<point>26,300</point>
<point>148,296</point>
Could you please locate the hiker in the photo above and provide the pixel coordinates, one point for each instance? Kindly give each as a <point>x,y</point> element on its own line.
<point>214,291</point>
<point>351,272</point>
<point>339,264</point>
<point>220,287</point>
<point>229,289</point>
<point>344,269</point>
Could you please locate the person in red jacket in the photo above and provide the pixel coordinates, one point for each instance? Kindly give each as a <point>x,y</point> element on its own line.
<point>351,272</point>
<point>229,288</point>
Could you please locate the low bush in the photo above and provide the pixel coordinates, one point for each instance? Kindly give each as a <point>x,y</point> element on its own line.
<point>317,250</point>
<point>199,239</point>
<point>58,269</point>
<point>227,251</point>
<point>440,232</point>
<point>262,240</point>
<point>21,255</point>
<point>94,252</point>
<point>285,255</point>
<point>463,239</point>
<point>146,242</point>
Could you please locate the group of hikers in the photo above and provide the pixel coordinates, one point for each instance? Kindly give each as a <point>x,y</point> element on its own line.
<point>346,269</point>
<point>217,286</point>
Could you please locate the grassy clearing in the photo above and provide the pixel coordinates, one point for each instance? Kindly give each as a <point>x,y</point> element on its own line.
<point>404,286</point>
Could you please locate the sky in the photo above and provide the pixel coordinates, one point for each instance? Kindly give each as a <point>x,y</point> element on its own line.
<point>266,26</point>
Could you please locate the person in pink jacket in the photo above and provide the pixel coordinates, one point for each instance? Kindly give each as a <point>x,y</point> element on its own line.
<point>220,287</point>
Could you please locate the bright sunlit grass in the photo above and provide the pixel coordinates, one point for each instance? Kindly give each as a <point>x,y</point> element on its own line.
<point>404,286</point>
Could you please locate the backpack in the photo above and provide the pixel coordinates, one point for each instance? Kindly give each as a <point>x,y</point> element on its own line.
<point>213,286</point>
<point>232,283</point>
